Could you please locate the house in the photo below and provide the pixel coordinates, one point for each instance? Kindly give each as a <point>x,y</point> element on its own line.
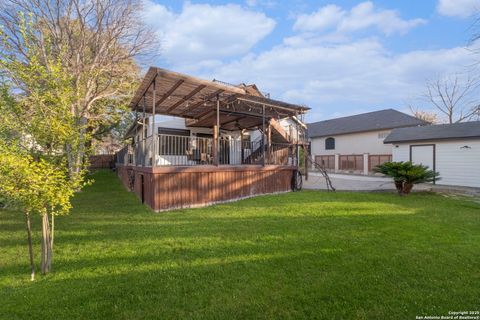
<point>355,143</point>
<point>196,142</point>
<point>453,150</point>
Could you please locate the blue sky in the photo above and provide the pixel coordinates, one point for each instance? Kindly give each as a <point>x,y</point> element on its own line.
<point>337,57</point>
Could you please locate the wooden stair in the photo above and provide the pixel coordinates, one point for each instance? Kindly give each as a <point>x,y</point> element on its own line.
<point>255,157</point>
<point>279,134</point>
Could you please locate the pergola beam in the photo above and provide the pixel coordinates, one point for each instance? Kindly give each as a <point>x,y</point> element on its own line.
<point>230,121</point>
<point>187,97</point>
<point>210,96</point>
<point>169,92</point>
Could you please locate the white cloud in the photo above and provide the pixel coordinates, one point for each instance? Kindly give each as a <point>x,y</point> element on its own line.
<point>203,32</point>
<point>324,18</point>
<point>263,3</point>
<point>320,65</point>
<point>458,8</point>
<point>340,78</point>
<point>361,16</point>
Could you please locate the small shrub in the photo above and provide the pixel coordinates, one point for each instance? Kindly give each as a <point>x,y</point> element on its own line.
<point>406,174</point>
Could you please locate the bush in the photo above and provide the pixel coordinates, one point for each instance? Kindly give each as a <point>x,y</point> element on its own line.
<point>406,174</point>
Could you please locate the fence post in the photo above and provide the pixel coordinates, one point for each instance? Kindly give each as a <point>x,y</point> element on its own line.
<point>337,162</point>
<point>366,163</point>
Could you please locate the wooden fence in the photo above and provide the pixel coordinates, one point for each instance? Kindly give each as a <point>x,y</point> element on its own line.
<point>326,161</point>
<point>377,159</point>
<point>352,162</point>
<point>103,161</point>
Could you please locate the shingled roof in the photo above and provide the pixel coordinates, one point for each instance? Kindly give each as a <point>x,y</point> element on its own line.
<point>465,130</point>
<point>371,121</point>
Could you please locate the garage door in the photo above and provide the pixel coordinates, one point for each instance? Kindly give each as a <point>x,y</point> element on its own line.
<point>423,154</point>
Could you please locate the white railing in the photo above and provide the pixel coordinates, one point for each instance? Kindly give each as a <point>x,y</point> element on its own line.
<point>176,150</point>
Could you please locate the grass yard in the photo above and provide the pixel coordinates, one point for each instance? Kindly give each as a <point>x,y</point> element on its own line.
<point>297,255</point>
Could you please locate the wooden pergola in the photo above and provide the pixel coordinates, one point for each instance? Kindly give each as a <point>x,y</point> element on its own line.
<point>204,103</point>
<point>198,172</point>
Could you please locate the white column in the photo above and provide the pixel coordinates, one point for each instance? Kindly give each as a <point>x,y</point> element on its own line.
<point>337,162</point>
<point>365,164</point>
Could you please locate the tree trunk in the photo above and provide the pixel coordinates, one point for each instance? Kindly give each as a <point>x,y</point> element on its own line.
<point>407,187</point>
<point>76,152</point>
<point>30,247</point>
<point>46,246</point>
<point>399,187</point>
<point>53,231</point>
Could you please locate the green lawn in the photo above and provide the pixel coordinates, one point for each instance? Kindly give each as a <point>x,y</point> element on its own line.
<point>297,255</point>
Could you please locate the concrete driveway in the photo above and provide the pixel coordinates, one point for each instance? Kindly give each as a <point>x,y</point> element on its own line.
<point>348,182</point>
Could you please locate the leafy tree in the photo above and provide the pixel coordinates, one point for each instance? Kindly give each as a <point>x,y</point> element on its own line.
<point>36,128</point>
<point>35,186</point>
<point>406,174</point>
<point>94,43</point>
<point>68,71</point>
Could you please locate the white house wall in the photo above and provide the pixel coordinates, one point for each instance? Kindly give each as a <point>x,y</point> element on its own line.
<point>355,143</point>
<point>401,152</point>
<point>457,165</point>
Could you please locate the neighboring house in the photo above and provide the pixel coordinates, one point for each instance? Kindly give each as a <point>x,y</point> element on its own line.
<point>453,150</point>
<point>355,143</point>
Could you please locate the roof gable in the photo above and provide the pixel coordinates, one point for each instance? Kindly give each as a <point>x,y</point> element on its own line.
<point>371,121</point>
<point>464,130</point>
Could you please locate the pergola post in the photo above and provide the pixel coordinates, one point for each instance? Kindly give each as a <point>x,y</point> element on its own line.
<point>269,144</point>
<point>154,133</point>
<point>297,148</point>
<point>263,135</point>
<point>242,151</point>
<point>135,145</point>
<point>305,160</point>
<point>143,130</point>
<point>216,135</point>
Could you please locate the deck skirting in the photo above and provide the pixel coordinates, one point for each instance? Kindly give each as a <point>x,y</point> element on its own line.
<point>167,188</point>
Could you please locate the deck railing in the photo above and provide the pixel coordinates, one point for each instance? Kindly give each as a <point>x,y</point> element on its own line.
<point>175,150</point>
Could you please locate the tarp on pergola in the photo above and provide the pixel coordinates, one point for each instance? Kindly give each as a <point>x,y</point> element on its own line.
<point>184,96</point>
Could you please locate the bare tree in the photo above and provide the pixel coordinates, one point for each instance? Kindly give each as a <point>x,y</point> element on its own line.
<point>96,42</point>
<point>430,117</point>
<point>454,97</point>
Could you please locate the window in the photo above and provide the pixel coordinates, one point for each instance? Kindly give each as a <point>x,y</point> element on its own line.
<point>330,144</point>
<point>173,142</point>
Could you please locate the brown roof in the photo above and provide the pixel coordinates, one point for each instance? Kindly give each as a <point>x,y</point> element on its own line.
<point>189,97</point>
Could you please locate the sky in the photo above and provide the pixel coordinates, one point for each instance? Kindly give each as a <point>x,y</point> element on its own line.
<point>337,57</point>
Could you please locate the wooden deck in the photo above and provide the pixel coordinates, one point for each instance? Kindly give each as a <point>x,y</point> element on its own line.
<point>166,188</point>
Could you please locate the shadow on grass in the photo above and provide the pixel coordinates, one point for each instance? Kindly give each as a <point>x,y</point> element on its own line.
<point>298,255</point>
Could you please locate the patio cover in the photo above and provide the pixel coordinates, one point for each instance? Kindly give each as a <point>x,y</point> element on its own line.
<point>192,98</point>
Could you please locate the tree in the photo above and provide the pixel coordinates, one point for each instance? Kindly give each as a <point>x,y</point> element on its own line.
<point>35,187</point>
<point>430,117</point>
<point>111,138</point>
<point>406,174</point>
<point>36,128</point>
<point>69,70</point>
<point>453,97</point>
<point>95,43</point>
